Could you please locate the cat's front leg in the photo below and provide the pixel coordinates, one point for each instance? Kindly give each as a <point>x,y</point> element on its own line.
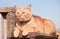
<point>24,33</point>
<point>16,32</point>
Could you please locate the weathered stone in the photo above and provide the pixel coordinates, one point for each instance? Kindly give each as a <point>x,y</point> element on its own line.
<point>1,24</point>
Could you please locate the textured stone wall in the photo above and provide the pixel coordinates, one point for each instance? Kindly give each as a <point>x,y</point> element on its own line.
<point>10,23</point>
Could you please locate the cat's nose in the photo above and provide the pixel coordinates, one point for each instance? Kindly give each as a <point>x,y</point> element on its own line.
<point>19,15</point>
<point>22,16</point>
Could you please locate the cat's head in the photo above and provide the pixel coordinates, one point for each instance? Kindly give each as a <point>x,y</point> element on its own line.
<point>23,14</point>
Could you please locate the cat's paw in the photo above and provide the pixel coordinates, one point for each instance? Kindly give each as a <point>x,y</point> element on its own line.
<point>16,32</point>
<point>24,33</point>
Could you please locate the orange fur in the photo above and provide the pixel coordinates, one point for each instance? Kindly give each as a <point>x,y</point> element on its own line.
<point>34,24</point>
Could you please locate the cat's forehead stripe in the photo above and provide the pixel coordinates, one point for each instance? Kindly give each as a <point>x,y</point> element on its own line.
<point>23,9</point>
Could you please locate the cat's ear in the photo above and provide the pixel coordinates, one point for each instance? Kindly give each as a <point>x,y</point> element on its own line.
<point>15,6</point>
<point>29,7</point>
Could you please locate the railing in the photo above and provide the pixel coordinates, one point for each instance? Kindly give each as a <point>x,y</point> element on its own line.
<point>3,27</point>
<point>3,21</point>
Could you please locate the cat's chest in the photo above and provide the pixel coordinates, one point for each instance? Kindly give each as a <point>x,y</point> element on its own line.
<point>27,26</point>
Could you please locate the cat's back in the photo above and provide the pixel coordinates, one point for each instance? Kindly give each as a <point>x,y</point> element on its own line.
<point>46,25</point>
<point>38,18</point>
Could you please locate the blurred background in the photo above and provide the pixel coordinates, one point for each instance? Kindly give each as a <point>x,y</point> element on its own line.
<point>49,9</point>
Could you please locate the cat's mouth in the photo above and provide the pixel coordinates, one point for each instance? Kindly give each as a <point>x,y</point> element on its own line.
<point>23,21</point>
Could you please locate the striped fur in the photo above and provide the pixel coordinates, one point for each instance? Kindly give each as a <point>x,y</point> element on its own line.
<point>32,23</point>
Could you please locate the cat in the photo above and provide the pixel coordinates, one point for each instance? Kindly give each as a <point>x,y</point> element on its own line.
<point>26,22</point>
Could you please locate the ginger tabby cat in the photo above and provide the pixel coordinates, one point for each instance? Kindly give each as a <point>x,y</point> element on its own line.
<point>26,23</point>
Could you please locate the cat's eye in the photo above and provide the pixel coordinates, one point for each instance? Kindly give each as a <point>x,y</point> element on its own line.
<point>17,12</point>
<point>23,12</point>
